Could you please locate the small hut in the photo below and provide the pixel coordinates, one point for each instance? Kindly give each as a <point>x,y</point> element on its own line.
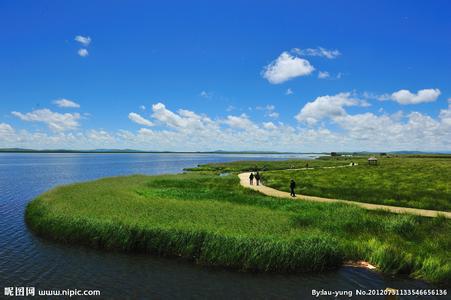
<point>372,161</point>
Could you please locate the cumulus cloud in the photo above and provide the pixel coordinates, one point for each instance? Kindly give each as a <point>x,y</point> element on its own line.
<point>445,115</point>
<point>83,52</point>
<point>422,96</point>
<point>5,130</point>
<point>84,40</point>
<point>242,122</point>
<point>66,103</point>
<point>385,131</point>
<point>320,51</point>
<point>289,92</point>
<point>167,117</point>
<point>323,74</point>
<point>182,120</point>
<point>186,130</point>
<point>100,136</point>
<point>55,121</point>
<point>269,125</point>
<point>327,107</point>
<point>286,67</point>
<point>138,119</point>
<point>388,131</point>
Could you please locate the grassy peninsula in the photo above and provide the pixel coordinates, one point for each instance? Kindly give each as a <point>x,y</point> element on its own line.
<point>212,220</point>
<point>417,181</point>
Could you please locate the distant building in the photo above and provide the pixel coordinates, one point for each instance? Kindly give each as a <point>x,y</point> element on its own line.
<point>372,161</point>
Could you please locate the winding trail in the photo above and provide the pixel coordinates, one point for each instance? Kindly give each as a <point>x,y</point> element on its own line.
<point>244,181</point>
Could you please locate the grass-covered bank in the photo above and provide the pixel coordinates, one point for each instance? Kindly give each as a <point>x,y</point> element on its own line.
<point>213,220</point>
<point>417,182</point>
<point>410,182</point>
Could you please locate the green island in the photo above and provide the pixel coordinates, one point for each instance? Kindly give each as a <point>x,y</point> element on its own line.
<point>206,216</point>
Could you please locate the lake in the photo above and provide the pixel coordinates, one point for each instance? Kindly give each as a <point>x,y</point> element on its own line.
<point>27,260</point>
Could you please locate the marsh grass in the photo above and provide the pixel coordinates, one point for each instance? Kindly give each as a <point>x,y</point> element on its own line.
<point>250,165</point>
<point>409,182</point>
<point>212,220</point>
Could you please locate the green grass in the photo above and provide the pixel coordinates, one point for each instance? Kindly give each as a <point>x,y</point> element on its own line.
<point>253,165</point>
<point>212,220</point>
<point>410,182</point>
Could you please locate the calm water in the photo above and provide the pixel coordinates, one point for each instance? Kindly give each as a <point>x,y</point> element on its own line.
<point>26,260</point>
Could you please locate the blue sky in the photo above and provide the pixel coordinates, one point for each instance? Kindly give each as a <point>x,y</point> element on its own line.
<point>235,75</point>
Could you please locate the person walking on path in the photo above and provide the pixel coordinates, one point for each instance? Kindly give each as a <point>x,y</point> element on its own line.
<point>257,178</point>
<point>292,186</point>
<point>251,179</point>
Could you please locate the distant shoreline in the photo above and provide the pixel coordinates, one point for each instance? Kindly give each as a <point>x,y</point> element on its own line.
<point>339,153</point>
<point>155,152</point>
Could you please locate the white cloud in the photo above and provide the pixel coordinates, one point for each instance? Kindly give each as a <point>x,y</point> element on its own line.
<point>323,74</point>
<point>320,51</point>
<point>5,130</point>
<point>83,52</point>
<point>286,67</point>
<point>327,107</point>
<point>66,103</point>
<point>379,131</point>
<point>269,125</point>
<point>422,96</point>
<point>445,115</point>
<point>139,119</point>
<point>142,107</point>
<point>190,131</point>
<point>84,40</point>
<point>101,136</point>
<point>167,117</point>
<point>55,121</point>
<point>289,92</point>
<point>182,120</point>
<point>241,122</point>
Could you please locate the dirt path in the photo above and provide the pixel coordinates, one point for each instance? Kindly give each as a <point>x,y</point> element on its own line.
<point>244,181</point>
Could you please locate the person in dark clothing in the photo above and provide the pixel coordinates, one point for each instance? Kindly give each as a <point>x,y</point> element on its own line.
<point>292,186</point>
<point>257,178</point>
<point>251,178</point>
